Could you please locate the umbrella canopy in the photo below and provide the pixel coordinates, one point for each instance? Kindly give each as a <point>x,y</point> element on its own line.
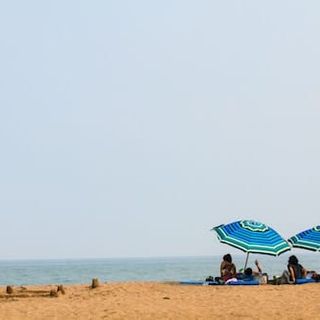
<point>252,237</point>
<point>308,239</point>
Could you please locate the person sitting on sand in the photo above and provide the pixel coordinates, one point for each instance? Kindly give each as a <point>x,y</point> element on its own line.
<point>227,268</point>
<point>296,270</point>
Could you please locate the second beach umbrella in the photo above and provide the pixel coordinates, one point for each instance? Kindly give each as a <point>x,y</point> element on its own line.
<point>252,237</point>
<point>308,239</point>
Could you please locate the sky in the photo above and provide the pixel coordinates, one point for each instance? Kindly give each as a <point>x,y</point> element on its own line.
<point>131,128</point>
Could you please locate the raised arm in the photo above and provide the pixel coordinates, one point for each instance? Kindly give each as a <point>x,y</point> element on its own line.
<point>258,266</point>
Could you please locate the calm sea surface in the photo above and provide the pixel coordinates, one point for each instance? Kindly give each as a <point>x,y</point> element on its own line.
<point>23,272</point>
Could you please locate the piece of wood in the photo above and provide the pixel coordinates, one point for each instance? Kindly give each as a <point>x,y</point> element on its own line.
<point>61,289</point>
<point>9,290</point>
<point>53,293</point>
<point>95,283</point>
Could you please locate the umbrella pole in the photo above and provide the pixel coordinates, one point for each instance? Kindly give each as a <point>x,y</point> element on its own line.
<point>245,265</point>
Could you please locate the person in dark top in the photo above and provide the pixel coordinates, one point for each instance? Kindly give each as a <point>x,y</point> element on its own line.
<point>296,270</point>
<point>227,268</point>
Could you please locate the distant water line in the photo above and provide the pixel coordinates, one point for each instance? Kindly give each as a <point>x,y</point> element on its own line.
<point>28,272</point>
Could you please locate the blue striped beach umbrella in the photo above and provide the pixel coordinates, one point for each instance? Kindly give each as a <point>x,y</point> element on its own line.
<point>308,239</point>
<point>252,237</point>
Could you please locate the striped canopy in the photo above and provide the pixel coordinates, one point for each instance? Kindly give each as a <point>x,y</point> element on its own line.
<point>252,237</point>
<point>308,239</point>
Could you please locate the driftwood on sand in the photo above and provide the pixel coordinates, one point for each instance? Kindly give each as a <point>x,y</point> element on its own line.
<point>22,292</point>
<point>95,283</point>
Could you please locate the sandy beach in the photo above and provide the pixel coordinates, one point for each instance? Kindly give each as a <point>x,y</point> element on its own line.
<point>140,300</point>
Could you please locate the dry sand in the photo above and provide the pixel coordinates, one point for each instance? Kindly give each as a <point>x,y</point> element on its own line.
<point>167,301</point>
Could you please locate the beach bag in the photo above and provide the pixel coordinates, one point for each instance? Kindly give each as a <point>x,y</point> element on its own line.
<point>263,278</point>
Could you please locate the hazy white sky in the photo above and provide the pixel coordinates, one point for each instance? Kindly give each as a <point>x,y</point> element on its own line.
<point>130,128</point>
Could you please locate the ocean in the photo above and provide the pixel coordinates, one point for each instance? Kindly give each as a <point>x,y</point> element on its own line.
<point>81,271</point>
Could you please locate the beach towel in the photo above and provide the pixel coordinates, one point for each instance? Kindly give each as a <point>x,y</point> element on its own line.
<point>304,281</point>
<point>244,283</point>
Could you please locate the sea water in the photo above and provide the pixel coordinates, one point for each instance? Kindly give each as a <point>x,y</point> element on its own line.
<point>26,272</point>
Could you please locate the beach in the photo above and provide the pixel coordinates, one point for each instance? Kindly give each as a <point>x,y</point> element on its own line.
<point>155,300</point>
